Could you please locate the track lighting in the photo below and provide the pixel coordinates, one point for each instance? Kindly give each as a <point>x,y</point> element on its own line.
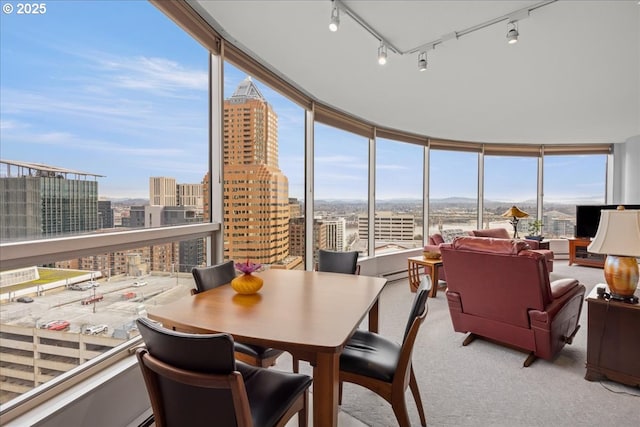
<point>422,61</point>
<point>382,54</point>
<point>512,34</point>
<point>335,17</point>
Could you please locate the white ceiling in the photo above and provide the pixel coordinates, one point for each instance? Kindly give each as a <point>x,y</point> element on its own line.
<point>573,77</point>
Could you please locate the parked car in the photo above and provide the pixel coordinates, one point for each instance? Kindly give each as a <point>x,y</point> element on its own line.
<point>95,329</point>
<point>81,286</point>
<point>93,283</point>
<point>129,295</point>
<point>139,284</point>
<point>56,325</point>
<point>25,299</point>
<point>92,298</point>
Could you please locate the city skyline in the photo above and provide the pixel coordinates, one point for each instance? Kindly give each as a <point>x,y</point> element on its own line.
<point>79,94</point>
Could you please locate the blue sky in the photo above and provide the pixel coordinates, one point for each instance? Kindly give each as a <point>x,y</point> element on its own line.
<point>115,88</point>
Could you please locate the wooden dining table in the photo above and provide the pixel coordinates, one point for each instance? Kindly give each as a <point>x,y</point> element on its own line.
<point>309,314</point>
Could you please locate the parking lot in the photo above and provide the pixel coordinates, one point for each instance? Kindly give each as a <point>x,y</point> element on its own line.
<point>115,303</point>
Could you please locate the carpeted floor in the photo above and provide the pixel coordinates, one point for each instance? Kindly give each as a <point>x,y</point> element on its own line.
<point>484,384</point>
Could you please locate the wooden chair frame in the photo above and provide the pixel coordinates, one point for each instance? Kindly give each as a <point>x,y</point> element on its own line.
<point>153,368</point>
<point>404,377</point>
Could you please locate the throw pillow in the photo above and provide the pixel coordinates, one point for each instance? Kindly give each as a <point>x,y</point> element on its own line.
<point>449,235</point>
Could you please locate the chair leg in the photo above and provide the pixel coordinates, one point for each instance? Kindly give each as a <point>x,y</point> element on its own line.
<point>340,393</point>
<point>303,415</point>
<point>469,339</point>
<point>530,359</point>
<point>296,365</point>
<point>413,385</point>
<point>399,406</point>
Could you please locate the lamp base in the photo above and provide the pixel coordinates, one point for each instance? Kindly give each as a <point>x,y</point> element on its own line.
<point>628,299</point>
<point>621,274</point>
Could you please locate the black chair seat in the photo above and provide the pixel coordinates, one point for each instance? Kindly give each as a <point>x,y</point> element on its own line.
<point>256,350</point>
<point>371,355</point>
<point>270,393</point>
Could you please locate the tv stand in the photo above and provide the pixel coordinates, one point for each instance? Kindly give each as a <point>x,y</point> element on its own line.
<point>578,253</point>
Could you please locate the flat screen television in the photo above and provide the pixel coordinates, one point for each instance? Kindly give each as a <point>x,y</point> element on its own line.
<point>588,218</point>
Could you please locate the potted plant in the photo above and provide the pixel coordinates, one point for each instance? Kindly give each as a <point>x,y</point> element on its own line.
<point>535,228</point>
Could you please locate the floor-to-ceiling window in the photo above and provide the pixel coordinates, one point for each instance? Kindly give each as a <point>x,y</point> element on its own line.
<point>340,190</point>
<point>453,190</point>
<point>509,181</point>
<point>399,184</point>
<point>105,129</point>
<point>571,180</point>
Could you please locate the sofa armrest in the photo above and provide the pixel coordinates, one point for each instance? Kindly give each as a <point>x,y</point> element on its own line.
<point>432,248</point>
<point>550,312</point>
<point>562,286</point>
<point>533,244</point>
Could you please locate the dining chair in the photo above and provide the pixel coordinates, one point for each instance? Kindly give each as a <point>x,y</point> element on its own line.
<point>216,275</point>
<point>338,262</point>
<point>384,366</point>
<point>194,380</point>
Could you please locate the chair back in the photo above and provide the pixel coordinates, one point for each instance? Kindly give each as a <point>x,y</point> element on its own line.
<point>213,276</point>
<point>487,273</point>
<point>191,378</point>
<point>419,306</point>
<point>338,262</point>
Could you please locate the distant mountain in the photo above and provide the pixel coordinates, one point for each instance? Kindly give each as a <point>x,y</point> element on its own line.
<point>126,201</point>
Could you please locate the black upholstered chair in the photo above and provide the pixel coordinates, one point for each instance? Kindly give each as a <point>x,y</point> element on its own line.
<point>384,366</point>
<point>338,262</point>
<point>216,275</point>
<point>194,380</point>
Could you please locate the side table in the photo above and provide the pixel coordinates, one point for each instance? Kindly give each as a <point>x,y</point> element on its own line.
<point>613,340</point>
<point>414,266</point>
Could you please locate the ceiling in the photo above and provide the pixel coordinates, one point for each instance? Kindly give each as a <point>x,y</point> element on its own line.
<point>573,76</point>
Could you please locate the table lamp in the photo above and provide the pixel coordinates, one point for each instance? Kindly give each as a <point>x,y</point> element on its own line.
<point>516,214</point>
<point>618,237</point>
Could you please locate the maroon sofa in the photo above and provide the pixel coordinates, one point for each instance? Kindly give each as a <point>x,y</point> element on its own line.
<point>435,240</point>
<point>500,289</point>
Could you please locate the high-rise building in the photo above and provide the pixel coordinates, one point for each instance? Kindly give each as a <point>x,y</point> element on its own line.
<point>256,192</point>
<point>38,200</point>
<point>336,233</point>
<point>105,214</point>
<point>389,226</point>
<point>190,195</point>
<point>162,191</point>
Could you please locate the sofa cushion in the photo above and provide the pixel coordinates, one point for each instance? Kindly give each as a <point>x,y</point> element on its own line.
<point>436,239</point>
<point>490,245</point>
<point>449,235</point>
<point>497,233</point>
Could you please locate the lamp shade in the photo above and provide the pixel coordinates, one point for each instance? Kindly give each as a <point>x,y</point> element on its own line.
<point>618,233</point>
<point>515,212</point>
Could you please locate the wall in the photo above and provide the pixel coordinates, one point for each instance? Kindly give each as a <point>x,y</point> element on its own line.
<point>626,176</point>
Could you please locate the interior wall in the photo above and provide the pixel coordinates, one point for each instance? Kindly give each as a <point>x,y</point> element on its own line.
<point>626,171</point>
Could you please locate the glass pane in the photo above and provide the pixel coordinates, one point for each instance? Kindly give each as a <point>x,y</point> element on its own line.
<point>104,108</point>
<point>570,181</point>
<point>453,192</point>
<point>263,174</point>
<point>399,179</point>
<point>510,181</point>
<point>104,113</point>
<point>340,190</point>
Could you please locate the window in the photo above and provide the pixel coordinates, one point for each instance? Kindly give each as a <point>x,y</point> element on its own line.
<point>453,190</point>
<point>399,179</point>
<point>340,189</point>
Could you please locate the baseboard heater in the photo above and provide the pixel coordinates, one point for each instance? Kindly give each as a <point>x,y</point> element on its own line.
<point>395,275</point>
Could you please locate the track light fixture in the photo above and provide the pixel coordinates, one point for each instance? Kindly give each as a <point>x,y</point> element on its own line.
<point>382,54</point>
<point>422,61</point>
<point>512,34</point>
<point>335,17</point>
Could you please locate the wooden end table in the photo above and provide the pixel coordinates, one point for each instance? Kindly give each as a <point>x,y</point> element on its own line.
<point>613,340</point>
<point>414,266</point>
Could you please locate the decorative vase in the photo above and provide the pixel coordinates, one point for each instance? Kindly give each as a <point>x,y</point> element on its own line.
<point>247,284</point>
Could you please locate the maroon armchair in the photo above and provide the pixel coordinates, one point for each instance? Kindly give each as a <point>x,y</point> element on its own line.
<point>500,290</point>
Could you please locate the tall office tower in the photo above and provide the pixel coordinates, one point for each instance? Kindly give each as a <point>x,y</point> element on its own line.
<point>389,227</point>
<point>162,191</point>
<point>256,192</point>
<point>190,195</point>
<point>39,200</point>
<point>295,208</point>
<point>105,214</point>
<point>336,233</point>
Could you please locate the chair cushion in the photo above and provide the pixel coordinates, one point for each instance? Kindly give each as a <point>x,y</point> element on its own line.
<point>256,350</point>
<point>271,392</point>
<point>371,355</point>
